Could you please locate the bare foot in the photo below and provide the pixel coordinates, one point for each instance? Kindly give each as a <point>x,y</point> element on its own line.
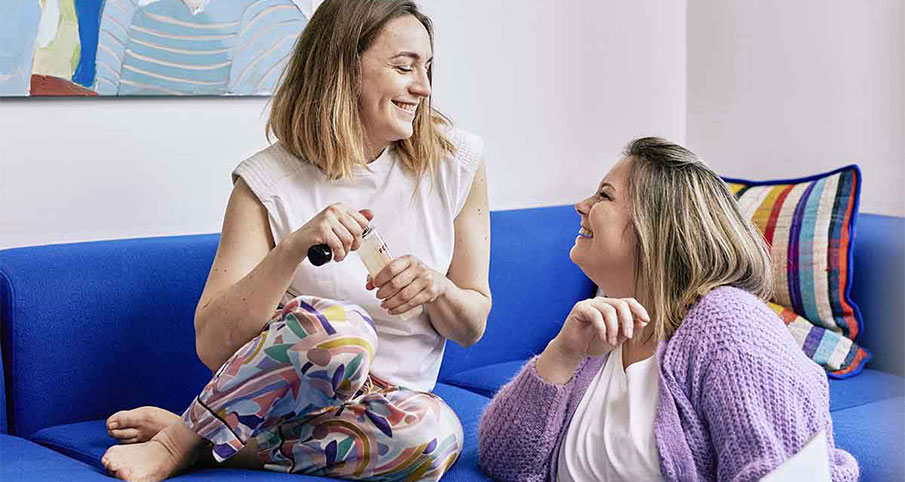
<point>140,424</point>
<point>173,449</point>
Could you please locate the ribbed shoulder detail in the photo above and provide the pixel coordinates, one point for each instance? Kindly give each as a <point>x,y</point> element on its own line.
<point>729,317</point>
<point>267,168</point>
<point>469,147</point>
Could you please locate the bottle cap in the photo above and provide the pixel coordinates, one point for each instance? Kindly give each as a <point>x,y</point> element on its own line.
<point>319,254</point>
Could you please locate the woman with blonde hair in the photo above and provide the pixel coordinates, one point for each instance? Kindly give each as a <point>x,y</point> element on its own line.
<point>337,383</point>
<point>681,372</point>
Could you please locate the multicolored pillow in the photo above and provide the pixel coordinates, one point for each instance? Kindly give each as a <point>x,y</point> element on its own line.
<point>809,224</point>
<point>840,356</point>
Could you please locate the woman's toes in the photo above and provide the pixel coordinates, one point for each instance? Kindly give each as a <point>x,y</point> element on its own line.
<point>130,418</point>
<point>139,424</point>
<point>113,421</point>
<point>108,459</point>
<point>124,419</point>
<point>124,434</point>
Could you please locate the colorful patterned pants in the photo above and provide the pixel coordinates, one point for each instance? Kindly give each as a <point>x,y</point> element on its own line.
<point>302,390</point>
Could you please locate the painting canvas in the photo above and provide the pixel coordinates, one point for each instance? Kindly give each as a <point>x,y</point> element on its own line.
<point>147,47</point>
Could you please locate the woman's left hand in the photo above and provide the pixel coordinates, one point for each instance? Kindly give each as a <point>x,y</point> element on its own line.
<point>406,283</point>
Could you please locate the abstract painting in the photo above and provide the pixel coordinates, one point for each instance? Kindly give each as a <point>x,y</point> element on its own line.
<point>147,47</point>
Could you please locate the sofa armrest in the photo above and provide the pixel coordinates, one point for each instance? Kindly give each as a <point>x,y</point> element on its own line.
<point>91,328</point>
<point>878,288</point>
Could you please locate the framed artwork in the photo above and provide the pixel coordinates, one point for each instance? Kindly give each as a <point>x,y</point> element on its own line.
<point>147,47</point>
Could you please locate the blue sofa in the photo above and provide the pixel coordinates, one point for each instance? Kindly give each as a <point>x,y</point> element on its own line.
<point>92,328</point>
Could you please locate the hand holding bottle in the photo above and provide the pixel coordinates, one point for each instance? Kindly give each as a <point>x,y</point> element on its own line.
<point>404,284</point>
<point>338,227</point>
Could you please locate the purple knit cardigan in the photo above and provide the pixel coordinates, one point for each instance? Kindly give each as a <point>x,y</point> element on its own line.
<point>737,398</point>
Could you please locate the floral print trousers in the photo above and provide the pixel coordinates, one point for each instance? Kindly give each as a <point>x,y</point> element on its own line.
<point>302,390</point>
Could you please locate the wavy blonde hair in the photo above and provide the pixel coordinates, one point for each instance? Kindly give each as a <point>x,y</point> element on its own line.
<point>314,111</point>
<point>691,236</point>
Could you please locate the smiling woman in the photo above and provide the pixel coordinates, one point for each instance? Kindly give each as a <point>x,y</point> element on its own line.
<point>389,107</point>
<point>606,240</point>
<point>660,379</point>
<point>336,383</point>
<point>337,82</point>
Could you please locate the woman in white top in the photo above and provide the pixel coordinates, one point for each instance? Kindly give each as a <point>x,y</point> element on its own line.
<point>336,384</point>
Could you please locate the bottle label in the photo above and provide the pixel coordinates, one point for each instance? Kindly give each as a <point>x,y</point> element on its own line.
<point>375,254</point>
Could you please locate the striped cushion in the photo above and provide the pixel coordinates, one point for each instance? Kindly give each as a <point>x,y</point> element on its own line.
<point>809,224</point>
<point>840,356</point>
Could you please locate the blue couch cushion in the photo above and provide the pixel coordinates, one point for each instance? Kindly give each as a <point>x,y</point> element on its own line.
<point>82,441</point>
<point>872,433</point>
<point>534,286</point>
<point>489,379</point>
<point>25,461</point>
<point>469,407</point>
<point>87,441</point>
<point>91,328</point>
<point>867,387</point>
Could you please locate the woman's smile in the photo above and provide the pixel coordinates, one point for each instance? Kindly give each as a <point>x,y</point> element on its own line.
<point>407,107</point>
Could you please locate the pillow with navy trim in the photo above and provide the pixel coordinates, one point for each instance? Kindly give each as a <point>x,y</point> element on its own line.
<point>809,224</point>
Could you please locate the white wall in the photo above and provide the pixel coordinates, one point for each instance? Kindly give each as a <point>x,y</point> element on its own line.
<point>778,89</point>
<point>555,88</point>
<point>83,169</point>
<point>774,89</point>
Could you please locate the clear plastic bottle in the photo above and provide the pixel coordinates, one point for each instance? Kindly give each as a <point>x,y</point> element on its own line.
<point>375,255</point>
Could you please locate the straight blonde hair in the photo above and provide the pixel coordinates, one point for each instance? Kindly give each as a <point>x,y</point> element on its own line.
<point>314,111</point>
<point>692,237</point>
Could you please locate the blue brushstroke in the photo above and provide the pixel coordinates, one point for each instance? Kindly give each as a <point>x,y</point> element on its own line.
<point>88,13</point>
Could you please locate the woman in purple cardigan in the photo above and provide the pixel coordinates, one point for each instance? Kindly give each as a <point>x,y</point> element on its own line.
<point>682,372</point>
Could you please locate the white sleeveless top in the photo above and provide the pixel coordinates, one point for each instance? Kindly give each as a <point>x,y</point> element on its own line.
<point>420,224</point>
<point>611,435</point>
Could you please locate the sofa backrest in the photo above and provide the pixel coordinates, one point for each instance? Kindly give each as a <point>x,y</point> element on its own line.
<point>91,328</point>
<point>534,286</point>
<point>878,288</point>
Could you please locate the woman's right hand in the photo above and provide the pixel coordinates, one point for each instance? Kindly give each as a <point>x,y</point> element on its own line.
<point>599,325</point>
<point>338,226</point>
<point>594,327</point>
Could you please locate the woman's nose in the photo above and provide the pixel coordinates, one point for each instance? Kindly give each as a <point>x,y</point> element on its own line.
<point>581,207</point>
<point>422,84</point>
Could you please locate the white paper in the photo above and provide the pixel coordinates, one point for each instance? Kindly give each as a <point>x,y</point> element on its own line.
<point>811,463</point>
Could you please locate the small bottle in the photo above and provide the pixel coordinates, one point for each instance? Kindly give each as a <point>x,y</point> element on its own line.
<point>375,255</point>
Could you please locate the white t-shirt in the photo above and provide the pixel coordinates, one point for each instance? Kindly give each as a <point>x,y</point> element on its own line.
<point>416,223</point>
<point>611,435</point>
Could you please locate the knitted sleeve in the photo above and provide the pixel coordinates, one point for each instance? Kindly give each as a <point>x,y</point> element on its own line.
<point>521,426</point>
<point>760,411</point>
